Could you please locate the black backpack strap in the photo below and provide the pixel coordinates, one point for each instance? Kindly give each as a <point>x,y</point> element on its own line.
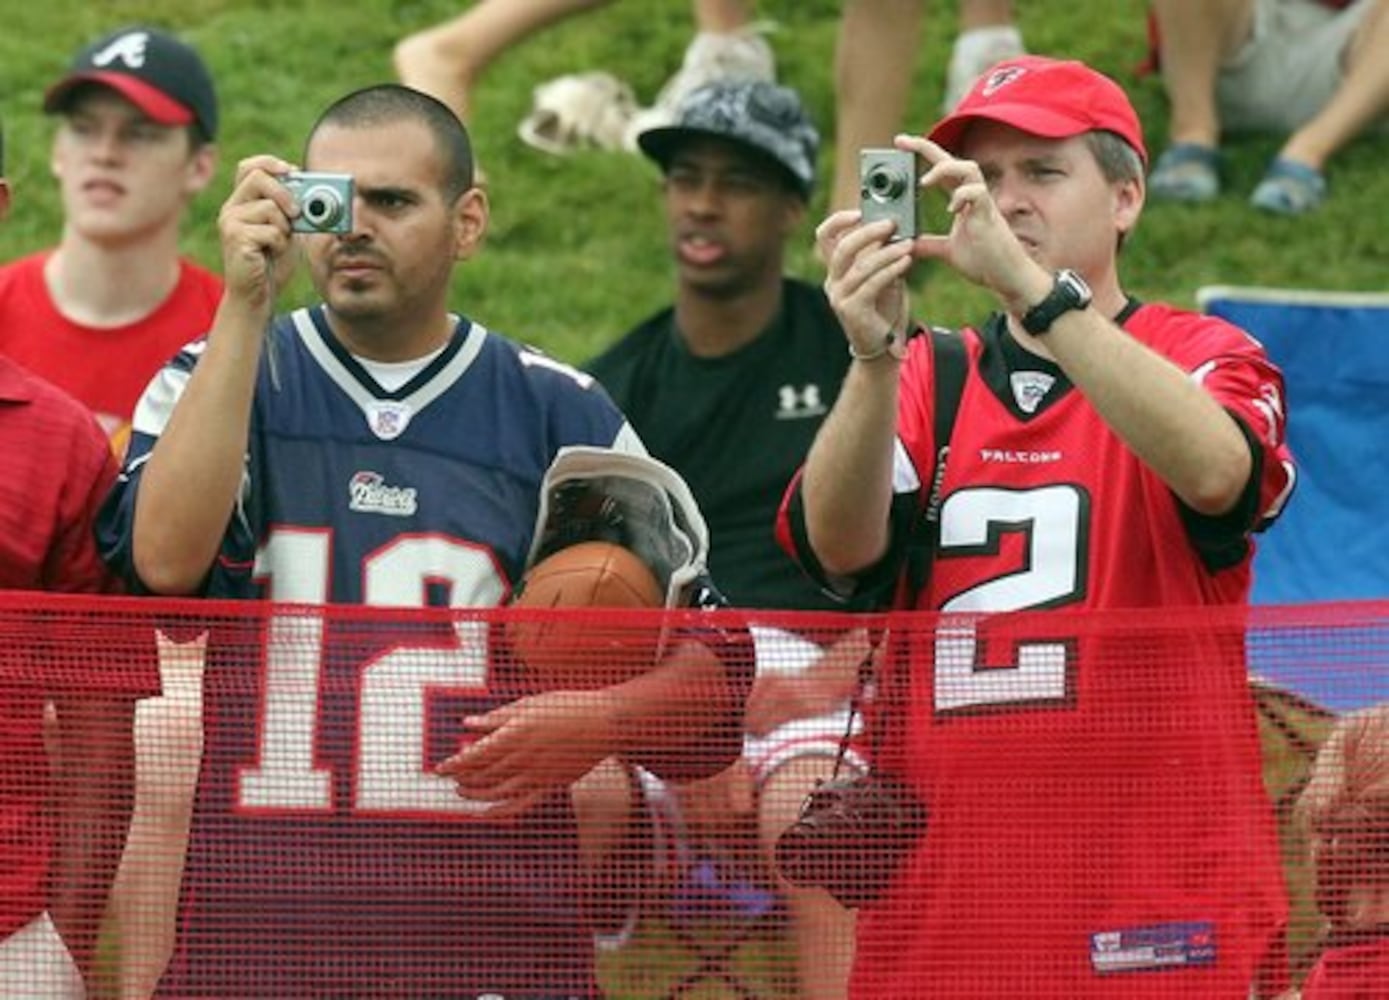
<point>950,361</point>
<point>950,364</point>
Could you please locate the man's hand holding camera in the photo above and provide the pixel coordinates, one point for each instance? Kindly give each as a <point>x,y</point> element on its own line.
<point>271,202</point>
<point>864,280</point>
<point>256,227</point>
<point>866,264</point>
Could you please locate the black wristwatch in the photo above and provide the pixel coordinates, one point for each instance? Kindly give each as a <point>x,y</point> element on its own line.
<point>1069,291</point>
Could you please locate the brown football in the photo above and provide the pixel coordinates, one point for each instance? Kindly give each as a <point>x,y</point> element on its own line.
<point>575,654</point>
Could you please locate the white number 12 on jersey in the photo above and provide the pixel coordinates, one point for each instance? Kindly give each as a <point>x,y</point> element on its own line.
<point>390,773</point>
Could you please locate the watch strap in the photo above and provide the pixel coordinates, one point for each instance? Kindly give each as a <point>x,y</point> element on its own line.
<point>1068,292</point>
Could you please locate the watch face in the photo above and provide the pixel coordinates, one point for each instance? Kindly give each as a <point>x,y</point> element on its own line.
<point>1076,288</point>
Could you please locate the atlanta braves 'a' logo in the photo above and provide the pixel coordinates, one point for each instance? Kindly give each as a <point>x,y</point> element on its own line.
<point>128,48</point>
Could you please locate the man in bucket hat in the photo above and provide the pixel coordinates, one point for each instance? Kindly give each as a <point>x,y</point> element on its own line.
<point>102,311</point>
<point>1097,825</point>
<point>749,357</point>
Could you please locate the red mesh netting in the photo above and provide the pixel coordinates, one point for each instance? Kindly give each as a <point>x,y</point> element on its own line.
<point>1110,805</point>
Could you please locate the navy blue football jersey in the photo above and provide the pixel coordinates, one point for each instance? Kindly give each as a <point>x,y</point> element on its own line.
<point>338,469</point>
<point>325,856</point>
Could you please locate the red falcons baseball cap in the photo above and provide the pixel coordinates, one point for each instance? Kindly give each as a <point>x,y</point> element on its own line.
<point>162,76</point>
<point>1052,98</point>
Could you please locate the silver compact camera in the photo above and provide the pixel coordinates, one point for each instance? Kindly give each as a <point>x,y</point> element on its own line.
<point>324,200</point>
<point>888,189</point>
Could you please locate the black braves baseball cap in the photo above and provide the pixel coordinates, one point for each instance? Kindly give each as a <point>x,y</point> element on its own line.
<point>162,76</point>
<point>764,117</point>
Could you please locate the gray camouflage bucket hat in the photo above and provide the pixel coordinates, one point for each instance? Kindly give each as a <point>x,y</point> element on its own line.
<point>764,117</point>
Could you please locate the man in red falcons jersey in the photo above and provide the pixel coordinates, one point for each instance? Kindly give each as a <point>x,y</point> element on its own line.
<point>1097,826</point>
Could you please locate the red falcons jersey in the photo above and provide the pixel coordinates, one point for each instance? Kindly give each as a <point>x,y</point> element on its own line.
<point>1097,827</point>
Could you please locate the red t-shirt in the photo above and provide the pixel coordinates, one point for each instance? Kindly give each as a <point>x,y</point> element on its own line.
<point>58,467</point>
<point>1087,799</point>
<point>106,368</point>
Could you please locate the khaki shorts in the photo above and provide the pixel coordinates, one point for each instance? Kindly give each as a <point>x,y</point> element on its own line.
<point>1288,68</point>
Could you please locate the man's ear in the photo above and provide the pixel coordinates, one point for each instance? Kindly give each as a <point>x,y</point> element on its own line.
<point>4,198</point>
<point>202,167</point>
<point>470,216</point>
<point>1128,204</point>
<point>793,214</point>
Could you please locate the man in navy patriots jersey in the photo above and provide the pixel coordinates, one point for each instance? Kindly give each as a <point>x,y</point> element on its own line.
<point>1098,825</point>
<point>377,449</point>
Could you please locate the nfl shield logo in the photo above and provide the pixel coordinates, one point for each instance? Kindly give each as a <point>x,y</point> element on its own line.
<point>1030,388</point>
<point>388,419</point>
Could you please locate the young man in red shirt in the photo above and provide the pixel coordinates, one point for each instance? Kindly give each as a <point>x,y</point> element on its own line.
<point>102,311</point>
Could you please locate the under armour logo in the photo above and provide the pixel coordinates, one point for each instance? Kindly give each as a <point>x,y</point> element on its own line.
<point>129,49</point>
<point>796,404</point>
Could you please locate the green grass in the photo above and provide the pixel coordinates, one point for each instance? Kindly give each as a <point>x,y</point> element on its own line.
<point>576,253</point>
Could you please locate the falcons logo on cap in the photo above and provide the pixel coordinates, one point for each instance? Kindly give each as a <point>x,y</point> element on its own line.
<point>1000,78</point>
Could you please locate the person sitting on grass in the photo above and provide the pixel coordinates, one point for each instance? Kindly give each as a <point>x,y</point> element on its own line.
<point>1344,811</point>
<point>1305,67</point>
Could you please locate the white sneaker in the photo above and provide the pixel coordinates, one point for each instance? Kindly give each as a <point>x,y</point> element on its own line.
<point>736,55</point>
<point>975,51</point>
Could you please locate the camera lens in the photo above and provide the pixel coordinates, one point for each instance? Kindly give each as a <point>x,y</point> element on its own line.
<point>884,183</point>
<point>321,206</point>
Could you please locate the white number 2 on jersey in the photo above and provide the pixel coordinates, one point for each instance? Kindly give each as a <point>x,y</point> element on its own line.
<point>390,773</point>
<point>1052,519</point>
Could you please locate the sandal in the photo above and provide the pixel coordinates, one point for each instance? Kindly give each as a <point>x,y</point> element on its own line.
<point>1186,171</point>
<point>1289,188</point>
